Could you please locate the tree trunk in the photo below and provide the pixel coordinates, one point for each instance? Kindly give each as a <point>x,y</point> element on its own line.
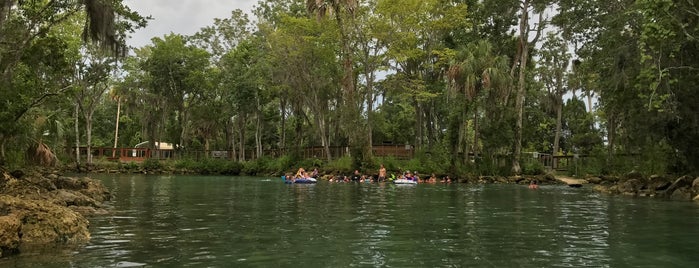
<point>521,90</point>
<point>611,134</point>
<point>369,108</point>
<point>241,138</point>
<point>230,139</point>
<point>258,133</point>
<point>559,123</point>
<point>116,127</point>
<point>88,133</point>
<point>475,132</point>
<point>77,137</point>
<point>282,134</point>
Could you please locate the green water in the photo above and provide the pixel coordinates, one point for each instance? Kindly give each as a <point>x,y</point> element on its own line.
<point>181,221</point>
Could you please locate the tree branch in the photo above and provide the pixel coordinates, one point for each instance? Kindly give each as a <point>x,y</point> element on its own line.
<point>37,101</point>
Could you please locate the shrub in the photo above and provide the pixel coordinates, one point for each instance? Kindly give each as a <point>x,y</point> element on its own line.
<point>533,167</point>
<point>151,164</point>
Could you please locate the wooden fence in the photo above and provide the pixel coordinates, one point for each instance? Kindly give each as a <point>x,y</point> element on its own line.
<point>141,154</point>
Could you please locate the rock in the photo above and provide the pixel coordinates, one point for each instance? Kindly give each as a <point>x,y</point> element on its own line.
<point>682,182</point>
<point>69,183</point>
<point>602,189</point>
<point>594,180</point>
<point>608,180</point>
<point>630,187</point>
<point>658,183</point>
<point>633,175</point>
<point>9,235</point>
<point>696,198</point>
<point>67,198</point>
<point>549,177</point>
<point>681,194</point>
<point>17,174</point>
<point>39,222</point>
<point>515,179</point>
<point>695,185</point>
<point>41,182</point>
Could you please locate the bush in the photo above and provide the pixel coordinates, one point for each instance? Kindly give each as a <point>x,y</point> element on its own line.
<point>533,167</point>
<point>151,164</point>
<point>342,165</point>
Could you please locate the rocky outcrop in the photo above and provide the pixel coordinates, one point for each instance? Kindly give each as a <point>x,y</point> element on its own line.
<point>46,208</point>
<point>634,184</point>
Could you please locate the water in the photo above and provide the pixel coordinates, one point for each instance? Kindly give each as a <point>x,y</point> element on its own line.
<point>181,221</point>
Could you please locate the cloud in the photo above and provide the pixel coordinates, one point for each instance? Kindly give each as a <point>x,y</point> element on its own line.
<point>180,16</point>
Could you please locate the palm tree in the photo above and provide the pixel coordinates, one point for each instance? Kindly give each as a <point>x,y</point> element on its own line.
<point>477,69</point>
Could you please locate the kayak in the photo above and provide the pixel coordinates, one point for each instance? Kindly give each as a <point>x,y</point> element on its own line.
<point>404,181</point>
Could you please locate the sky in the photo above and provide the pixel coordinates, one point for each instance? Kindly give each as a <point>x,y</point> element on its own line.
<point>184,17</point>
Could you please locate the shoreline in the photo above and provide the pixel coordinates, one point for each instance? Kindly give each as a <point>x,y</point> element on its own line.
<point>45,208</point>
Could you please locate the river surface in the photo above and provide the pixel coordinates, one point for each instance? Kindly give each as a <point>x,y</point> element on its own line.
<point>195,221</point>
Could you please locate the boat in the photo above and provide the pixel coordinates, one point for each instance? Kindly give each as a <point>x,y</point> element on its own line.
<point>404,181</point>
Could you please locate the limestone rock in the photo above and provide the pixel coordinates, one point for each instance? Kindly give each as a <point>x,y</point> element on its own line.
<point>594,180</point>
<point>658,183</point>
<point>40,222</point>
<point>633,175</point>
<point>681,194</point>
<point>682,182</point>
<point>630,187</point>
<point>9,235</point>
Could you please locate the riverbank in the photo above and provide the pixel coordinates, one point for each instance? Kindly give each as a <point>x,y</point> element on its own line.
<point>43,207</point>
<point>634,184</point>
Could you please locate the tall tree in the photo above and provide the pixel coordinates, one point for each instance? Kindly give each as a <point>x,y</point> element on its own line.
<point>552,68</point>
<point>177,74</point>
<point>524,44</point>
<point>92,81</point>
<point>343,12</point>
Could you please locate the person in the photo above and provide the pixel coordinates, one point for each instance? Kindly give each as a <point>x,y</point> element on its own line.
<point>382,173</point>
<point>314,174</point>
<point>300,174</point>
<point>433,179</point>
<point>533,184</point>
<point>409,176</point>
<point>356,176</point>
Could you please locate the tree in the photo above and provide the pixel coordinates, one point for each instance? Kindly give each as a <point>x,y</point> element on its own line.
<point>29,25</point>
<point>520,62</point>
<point>91,82</point>
<point>177,74</point>
<point>343,12</point>
<point>476,69</point>
<point>552,70</point>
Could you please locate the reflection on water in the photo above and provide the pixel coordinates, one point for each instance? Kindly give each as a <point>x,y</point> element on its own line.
<point>165,221</point>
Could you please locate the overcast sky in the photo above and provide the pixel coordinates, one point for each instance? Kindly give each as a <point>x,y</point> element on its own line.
<point>181,16</point>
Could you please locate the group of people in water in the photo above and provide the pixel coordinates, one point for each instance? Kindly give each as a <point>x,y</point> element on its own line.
<point>357,176</point>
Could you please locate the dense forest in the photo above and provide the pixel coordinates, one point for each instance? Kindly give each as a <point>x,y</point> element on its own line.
<point>467,83</point>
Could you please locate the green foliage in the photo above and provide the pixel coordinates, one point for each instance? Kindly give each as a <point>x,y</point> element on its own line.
<point>533,167</point>
<point>151,164</point>
<point>210,166</point>
<point>342,165</point>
